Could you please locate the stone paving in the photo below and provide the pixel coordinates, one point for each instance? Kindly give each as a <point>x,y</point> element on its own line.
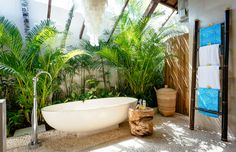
<point>171,134</point>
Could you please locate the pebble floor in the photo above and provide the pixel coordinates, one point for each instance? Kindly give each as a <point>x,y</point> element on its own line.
<point>171,134</point>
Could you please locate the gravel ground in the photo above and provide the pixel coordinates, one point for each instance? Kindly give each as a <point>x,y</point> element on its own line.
<point>171,134</point>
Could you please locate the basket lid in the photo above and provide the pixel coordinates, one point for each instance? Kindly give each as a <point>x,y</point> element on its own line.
<point>166,90</point>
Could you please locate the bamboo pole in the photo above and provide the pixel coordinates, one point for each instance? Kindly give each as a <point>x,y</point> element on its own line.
<point>194,72</point>
<point>82,31</point>
<point>224,124</point>
<point>151,8</point>
<point>168,18</point>
<point>117,21</point>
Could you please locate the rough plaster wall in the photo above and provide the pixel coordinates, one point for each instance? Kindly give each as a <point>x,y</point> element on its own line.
<point>113,78</point>
<point>211,12</point>
<point>59,15</point>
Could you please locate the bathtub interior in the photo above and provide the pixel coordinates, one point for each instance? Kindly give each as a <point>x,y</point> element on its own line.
<point>90,104</point>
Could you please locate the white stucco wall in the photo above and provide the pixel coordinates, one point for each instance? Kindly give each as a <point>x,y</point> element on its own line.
<point>211,12</point>
<point>11,9</point>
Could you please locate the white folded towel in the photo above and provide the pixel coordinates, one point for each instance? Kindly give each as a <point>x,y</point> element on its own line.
<point>209,55</point>
<point>209,77</point>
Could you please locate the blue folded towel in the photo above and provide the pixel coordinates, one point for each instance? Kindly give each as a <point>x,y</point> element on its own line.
<point>210,35</point>
<point>209,99</point>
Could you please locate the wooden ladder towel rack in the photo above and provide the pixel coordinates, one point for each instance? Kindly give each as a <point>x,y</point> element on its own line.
<point>224,68</point>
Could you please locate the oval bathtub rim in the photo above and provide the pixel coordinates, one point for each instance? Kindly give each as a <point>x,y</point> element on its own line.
<point>46,109</point>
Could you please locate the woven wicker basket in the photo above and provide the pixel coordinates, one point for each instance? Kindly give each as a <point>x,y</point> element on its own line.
<point>166,100</point>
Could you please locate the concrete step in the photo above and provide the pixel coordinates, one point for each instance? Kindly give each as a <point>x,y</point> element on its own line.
<point>28,131</point>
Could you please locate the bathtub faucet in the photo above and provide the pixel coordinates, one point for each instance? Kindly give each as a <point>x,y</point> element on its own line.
<point>34,143</point>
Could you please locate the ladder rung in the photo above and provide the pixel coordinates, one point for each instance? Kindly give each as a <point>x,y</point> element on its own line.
<point>208,111</point>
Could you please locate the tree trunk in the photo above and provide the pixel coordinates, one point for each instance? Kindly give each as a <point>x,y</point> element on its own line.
<point>25,13</point>
<point>67,27</point>
<point>103,74</point>
<point>49,9</point>
<point>84,80</point>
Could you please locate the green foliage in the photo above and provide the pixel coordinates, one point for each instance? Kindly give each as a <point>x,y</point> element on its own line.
<point>22,62</point>
<point>10,37</point>
<point>94,91</point>
<point>139,57</point>
<point>95,61</point>
<point>138,53</point>
<point>16,120</point>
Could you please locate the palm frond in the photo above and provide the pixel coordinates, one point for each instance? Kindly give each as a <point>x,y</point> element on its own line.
<point>110,55</point>
<point>7,66</point>
<point>38,36</point>
<point>57,61</point>
<point>10,36</point>
<point>38,28</point>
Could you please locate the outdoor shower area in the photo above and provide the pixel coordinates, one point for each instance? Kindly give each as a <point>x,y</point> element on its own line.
<point>117,75</point>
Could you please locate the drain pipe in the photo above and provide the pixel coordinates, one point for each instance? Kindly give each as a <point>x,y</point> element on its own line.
<point>35,143</point>
<point>3,131</point>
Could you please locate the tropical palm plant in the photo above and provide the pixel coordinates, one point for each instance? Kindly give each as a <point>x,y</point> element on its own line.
<point>95,61</point>
<point>138,52</point>
<point>23,61</point>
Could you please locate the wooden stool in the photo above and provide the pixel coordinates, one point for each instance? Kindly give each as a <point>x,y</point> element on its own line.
<point>140,121</point>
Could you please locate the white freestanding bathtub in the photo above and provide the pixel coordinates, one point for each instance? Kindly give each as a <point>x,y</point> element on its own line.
<point>88,116</point>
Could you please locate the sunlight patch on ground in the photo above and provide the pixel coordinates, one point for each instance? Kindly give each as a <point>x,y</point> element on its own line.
<point>134,143</point>
<point>205,147</point>
<point>108,149</point>
<point>179,135</point>
<point>178,130</point>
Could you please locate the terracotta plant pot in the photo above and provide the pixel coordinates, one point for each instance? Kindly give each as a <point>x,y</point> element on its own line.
<point>166,100</point>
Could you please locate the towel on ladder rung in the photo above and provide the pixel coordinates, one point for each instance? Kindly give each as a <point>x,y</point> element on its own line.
<point>209,55</point>
<point>210,35</point>
<point>209,77</point>
<point>208,99</point>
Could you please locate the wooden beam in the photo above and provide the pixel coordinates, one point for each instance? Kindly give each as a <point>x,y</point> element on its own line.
<point>176,5</point>
<point>49,9</point>
<point>117,21</point>
<point>170,6</point>
<point>82,31</point>
<point>151,8</point>
<point>168,18</point>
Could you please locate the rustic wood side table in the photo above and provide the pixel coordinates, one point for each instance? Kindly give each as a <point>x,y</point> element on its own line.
<point>140,121</point>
